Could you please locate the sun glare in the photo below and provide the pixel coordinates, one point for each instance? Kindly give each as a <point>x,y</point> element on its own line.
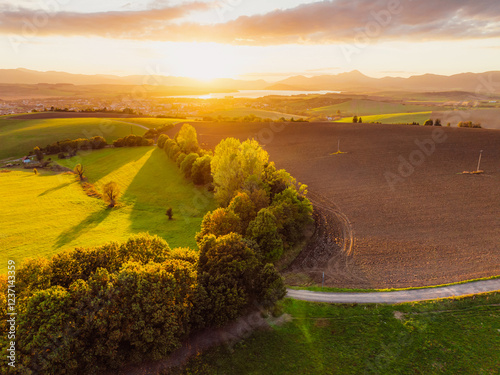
<point>203,61</point>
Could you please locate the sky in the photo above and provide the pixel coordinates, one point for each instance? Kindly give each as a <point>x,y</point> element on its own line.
<point>251,39</point>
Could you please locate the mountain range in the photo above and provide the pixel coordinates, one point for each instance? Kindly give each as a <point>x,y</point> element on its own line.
<point>354,81</point>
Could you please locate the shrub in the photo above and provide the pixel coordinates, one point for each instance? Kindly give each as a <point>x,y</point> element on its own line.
<point>187,164</point>
<point>428,122</point>
<point>169,213</point>
<point>98,142</point>
<point>468,124</point>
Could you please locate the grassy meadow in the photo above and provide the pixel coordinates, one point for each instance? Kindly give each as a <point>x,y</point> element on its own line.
<point>149,122</point>
<point>242,112</point>
<point>18,137</point>
<point>439,337</point>
<point>364,107</point>
<point>48,213</point>
<point>394,118</point>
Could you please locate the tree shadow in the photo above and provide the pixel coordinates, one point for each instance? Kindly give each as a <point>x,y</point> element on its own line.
<point>150,200</point>
<point>109,162</point>
<point>51,190</point>
<point>85,225</point>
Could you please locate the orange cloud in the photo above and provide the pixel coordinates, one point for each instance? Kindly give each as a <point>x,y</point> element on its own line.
<point>332,21</point>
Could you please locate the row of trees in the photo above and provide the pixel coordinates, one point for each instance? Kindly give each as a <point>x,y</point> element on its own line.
<point>469,124</point>
<point>154,133</point>
<point>73,145</point>
<point>184,150</point>
<point>132,141</point>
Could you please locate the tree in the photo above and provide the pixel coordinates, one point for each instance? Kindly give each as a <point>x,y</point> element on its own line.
<point>201,171</point>
<point>233,163</point>
<point>355,119</point>
<point>360,120</point>
<point>437,122</point>
<point>161,140</point>
<point>231,278</point>
<point>264,231</point>
<point>38,153</point>
<point>428,122</point>
<point>227,271</point>
<point>187,139</point>
<point>187,164</point>
<point>111,192</point>
<point>219,222</point>
<point>169,213</point>
<point>245,208</point>
<point>79,171</point>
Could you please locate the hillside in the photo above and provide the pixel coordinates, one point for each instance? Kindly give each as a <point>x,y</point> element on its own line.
<point>64,217</point>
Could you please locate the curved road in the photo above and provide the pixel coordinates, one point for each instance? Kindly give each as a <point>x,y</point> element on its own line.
<point>399,296</point>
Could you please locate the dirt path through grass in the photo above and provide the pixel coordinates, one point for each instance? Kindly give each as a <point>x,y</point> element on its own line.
<point>399,296</point>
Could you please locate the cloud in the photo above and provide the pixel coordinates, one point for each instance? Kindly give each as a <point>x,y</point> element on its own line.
<point>139,24</point>
<point>323,22</point>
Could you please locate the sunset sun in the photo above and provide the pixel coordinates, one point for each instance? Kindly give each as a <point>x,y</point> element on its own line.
<point>203,61</point>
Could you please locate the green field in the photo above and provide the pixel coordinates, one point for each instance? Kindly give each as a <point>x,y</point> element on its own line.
<point>242,112</point>
<point>18,137</point>
<point>48,213</point>
<point>363,107</point>
<point>394,118</point>
<point>149,122</point>
<point>440,337</point>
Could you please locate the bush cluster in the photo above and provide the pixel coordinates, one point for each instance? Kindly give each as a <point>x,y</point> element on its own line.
<point>468,124</point>
<point>90,310</point>
<point>156,132</point>
<point>132,141</point>
<point>72,146</point>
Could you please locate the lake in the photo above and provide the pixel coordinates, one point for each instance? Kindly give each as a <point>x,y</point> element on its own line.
<point>253,94</point>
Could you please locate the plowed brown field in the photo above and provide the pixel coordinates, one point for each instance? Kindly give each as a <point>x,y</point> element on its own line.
<point>427,224</point>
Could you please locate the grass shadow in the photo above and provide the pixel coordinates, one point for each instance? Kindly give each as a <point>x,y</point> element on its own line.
<point>56,188</point>
<point>85,225</point>
<point>159,185</point>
